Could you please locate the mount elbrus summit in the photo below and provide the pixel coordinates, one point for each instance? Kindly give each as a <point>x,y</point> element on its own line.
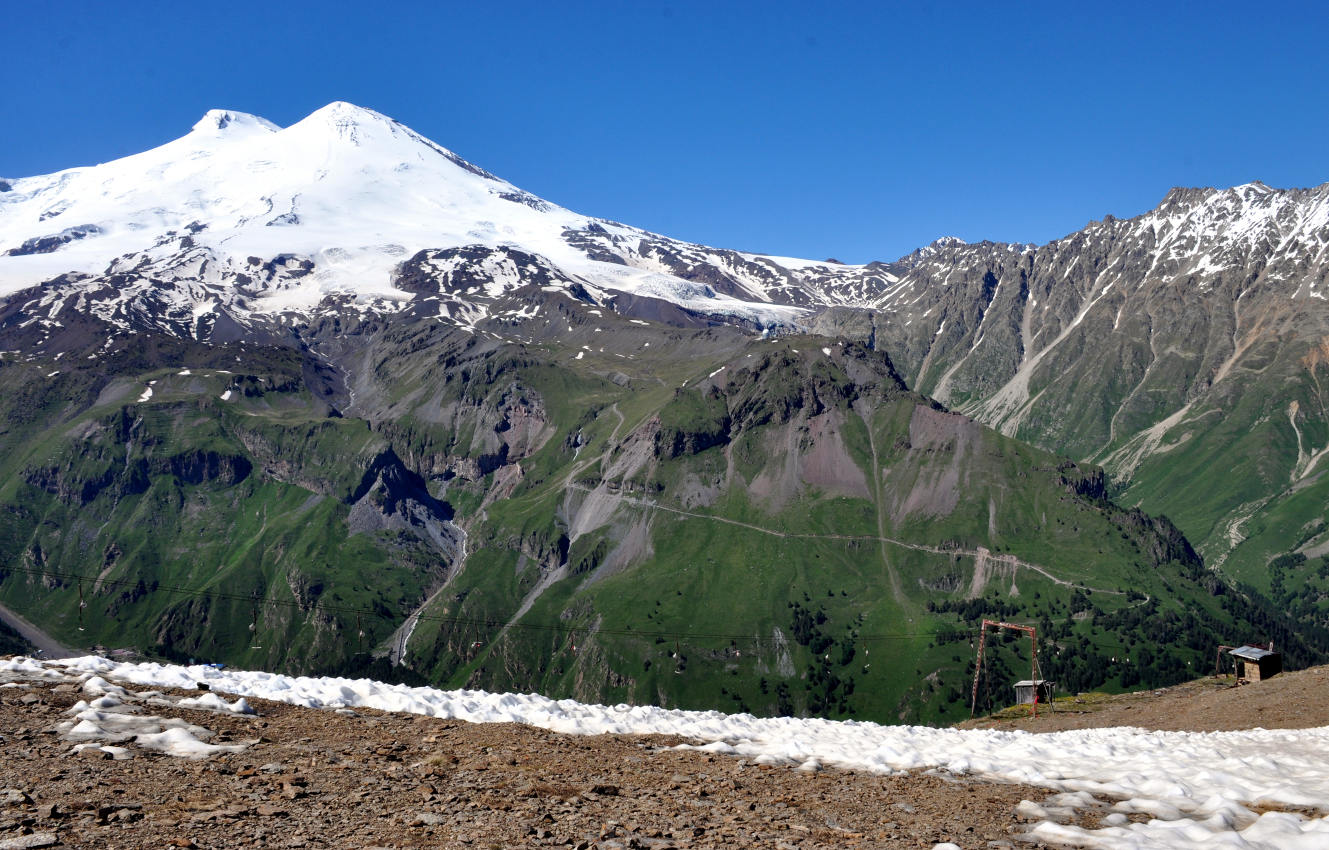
<point>330,398</point>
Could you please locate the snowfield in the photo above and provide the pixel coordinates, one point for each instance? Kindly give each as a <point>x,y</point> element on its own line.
<point>1215,789</point>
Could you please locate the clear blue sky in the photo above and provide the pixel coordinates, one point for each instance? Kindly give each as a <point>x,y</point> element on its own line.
<point>858,131</point>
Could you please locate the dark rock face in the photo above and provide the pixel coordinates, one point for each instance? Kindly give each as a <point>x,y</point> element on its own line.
<point>195,467</point>
<point>698,421</point>
<point>775,389</point>
<point>472,276</point>
<point>1090,483</point>
<point>79,482</point>
<point>526,199</point>
<point>52,243</point>
<point>397,484</point>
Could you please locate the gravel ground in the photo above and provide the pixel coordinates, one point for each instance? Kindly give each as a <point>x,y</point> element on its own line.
<point>1297,700</point>
<point>322,779</point>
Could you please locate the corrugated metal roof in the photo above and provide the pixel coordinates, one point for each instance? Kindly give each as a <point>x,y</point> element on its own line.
<point>1028,683</point>
<point>1250,653</point>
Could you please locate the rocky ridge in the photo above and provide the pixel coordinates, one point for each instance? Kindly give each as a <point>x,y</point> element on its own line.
<point>1151,345</point>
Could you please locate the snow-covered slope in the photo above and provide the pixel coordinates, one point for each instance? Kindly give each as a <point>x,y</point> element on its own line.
<point>248,220</point>
<point>262,221</point>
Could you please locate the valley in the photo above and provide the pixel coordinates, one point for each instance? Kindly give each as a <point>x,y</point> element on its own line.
<point>514,448</point>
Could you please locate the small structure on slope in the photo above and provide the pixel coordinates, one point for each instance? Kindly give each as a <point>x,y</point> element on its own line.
<point>1025,691</point>
<point>1035,694</point>
<point>1256,663</point>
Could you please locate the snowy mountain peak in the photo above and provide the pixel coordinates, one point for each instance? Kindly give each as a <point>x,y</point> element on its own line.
<point>335,207</point>
<point>1256,190</point>
<point>348,121</point>
<point>931,250</point>
<point>947,242</point>
<point>216,121</point>
<point>340,111</point>
<point>334,204</point>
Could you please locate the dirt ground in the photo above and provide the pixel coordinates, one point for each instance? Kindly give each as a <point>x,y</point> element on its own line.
<point>312,778</point>
<point>322,779</point>
<point>1296,700</point>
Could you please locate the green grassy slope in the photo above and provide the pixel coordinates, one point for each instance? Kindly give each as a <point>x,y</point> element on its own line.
<point>684,518</point>
<point>845,594</point>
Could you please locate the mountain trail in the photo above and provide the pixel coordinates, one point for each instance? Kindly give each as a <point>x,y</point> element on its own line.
<point>896,589</point>
<point>980,552</point>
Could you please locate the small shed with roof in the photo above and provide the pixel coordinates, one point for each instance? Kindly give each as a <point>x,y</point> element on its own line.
<point>1255,663</point>
<point>1025,689</point>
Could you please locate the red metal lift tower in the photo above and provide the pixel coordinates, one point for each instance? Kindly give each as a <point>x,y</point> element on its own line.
<point>1033,664</point>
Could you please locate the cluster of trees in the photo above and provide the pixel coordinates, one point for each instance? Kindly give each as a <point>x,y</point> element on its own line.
<point>827,682</point>
<point>1299,587</point>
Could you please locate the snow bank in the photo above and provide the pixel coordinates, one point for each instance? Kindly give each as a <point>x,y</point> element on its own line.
<point>1198,789</point>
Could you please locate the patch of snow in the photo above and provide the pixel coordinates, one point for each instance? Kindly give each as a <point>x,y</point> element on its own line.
<point>114,716</point>
<point>180,741</point>
<point>212,702</point>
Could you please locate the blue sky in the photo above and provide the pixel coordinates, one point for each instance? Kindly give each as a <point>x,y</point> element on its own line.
<point>857,131</point>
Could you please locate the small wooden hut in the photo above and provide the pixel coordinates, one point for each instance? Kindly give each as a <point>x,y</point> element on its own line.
<point>1255,663</point>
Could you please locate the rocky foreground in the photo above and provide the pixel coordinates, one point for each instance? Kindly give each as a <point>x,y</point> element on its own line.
<point>309,778</point>
<point>87,763</point>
